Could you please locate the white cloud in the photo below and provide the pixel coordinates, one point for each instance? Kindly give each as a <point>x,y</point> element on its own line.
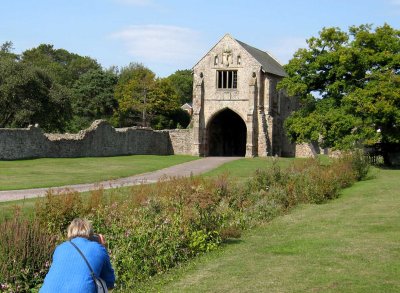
<point>160,43</point>
<point>283,49</point>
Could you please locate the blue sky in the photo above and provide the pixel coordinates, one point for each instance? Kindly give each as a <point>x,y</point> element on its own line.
<point>170,35</point>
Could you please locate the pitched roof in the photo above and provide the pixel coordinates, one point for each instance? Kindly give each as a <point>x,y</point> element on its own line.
<point>268,63</point>
<point>187,106</point>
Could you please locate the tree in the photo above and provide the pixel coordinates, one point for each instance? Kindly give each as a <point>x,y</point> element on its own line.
<point>182,82</point>
<point>348,87</point>
<point>146,100</point>
<point>64,67</point>
<point>134,82</point>
<point>28,95</point>
<point>163,106</point>
<point>93,98</point>
<point>6,50</point>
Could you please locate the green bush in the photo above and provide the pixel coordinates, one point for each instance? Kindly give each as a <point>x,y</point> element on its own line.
<point>155,227</point>
<point>57,211</point>
<point>360,163</point>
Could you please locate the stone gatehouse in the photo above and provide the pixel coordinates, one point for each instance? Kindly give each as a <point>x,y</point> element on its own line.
<point>237,109</point>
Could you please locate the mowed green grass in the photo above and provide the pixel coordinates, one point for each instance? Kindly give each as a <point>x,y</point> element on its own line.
<point>242,169</point>
<point>50,172</point>
<point>238,171</point>
<point>351,244</point>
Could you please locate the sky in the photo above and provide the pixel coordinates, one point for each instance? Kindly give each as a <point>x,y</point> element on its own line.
<point>173,35</point>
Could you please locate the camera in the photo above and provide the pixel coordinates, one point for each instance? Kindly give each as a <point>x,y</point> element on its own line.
<point>97,238</point>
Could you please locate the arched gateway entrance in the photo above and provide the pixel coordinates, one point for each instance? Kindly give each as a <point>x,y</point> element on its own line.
<point>234,75</point>
<point>226,134</point>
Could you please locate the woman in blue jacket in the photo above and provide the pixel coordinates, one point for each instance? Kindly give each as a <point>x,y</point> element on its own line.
<point>69,271</point>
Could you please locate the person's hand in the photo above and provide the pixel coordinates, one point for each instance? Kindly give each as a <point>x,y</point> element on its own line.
<point>102,240</point>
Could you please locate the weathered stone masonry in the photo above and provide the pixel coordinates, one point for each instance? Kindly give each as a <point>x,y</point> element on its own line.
<point>101,139</point>
<point>237,109</point>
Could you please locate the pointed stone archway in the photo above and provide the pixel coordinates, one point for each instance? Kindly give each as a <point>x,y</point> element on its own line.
<point>226,135</point>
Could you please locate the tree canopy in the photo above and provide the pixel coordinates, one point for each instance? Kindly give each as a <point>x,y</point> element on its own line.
<point>28,96</point>
<point>348,86</point>
<point>146,100</point>
<point>182,82</point>
<point>63,66</point>
<point>63,91</point>
<point>93,98</point>
<point>6,51</point>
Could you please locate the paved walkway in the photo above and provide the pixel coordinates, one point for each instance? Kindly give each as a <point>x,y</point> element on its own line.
<point>182,170</point>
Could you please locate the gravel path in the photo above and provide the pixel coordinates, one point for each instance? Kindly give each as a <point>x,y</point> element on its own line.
<point>182,170</point>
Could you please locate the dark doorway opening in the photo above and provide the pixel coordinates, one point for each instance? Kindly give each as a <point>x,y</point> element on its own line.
<point>227,135</point>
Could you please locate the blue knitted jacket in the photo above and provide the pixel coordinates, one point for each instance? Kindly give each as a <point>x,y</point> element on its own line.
<point>70,273</point>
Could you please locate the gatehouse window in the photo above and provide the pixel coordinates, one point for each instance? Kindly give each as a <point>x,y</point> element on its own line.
<point>227,79</point>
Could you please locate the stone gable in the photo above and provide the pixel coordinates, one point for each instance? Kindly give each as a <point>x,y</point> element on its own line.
<point>235,87</point>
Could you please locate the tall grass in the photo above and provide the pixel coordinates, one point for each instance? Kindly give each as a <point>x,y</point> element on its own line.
<point>24,254</point>
<point>159,226</point>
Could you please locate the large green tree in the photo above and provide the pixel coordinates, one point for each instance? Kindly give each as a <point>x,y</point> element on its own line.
<point>6,51</point>
<point>348,87</point>
<point>63,66</point>
<point>146,100</point>
<point>134,83</point>
<point>28,95</point>
<point>93,98</point>
<point>164,106</point>
<point>182,82</point>
<point>69,72</point>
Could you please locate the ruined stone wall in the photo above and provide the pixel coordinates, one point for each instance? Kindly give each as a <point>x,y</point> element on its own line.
<point>305,150</point>
<point>101,139</point>
<point>181,141</point>
<point>22,143</point>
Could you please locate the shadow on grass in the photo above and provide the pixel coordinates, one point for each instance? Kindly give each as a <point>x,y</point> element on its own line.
<point>383,167</point>
<point>232,241</point>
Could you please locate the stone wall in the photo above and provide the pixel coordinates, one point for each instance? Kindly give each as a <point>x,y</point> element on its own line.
<point>305,150</point>
<point>101,139</point>
<point>181,141</point>
<point>22,143</point>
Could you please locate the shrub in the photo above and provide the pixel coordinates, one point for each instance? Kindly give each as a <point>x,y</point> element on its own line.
<point>25,253</point>
<point>264,179</point>
<point>265,209</point>
<point>159,226</point>
<point>155,227</point>
<point>359,163</point>
<point>201,241</point>
<point>57,210</point>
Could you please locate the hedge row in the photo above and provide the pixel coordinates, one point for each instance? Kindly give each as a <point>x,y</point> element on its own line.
<point>156,227</point>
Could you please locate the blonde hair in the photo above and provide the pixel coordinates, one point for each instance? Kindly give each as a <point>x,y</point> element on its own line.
<point>80,228</point>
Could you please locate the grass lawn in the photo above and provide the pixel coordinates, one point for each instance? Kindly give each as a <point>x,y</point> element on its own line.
<point>50,172</point>
<point>240,170</point>
<point>347,245</point>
